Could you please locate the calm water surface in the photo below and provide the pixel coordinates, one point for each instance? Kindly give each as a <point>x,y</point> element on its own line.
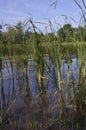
<point>26,105</point>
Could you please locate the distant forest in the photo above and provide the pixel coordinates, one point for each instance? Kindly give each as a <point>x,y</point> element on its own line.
<point>18,34</point>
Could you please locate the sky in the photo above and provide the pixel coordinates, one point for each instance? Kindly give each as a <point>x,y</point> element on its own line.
<point>12,11</point>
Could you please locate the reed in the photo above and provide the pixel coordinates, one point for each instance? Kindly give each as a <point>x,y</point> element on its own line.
<point>47,56</point>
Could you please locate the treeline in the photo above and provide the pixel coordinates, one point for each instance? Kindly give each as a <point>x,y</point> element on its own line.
<point>19,34</point>
<point>68,33</point>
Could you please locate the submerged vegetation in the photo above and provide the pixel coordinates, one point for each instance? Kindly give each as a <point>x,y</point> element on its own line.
<point>43,77</point>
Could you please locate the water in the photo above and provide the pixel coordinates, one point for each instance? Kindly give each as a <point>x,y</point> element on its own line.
<point>26,106</point>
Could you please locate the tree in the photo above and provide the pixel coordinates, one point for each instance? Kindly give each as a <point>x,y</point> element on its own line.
<point>81,33</point>
<point>19,32</point>
<point>61,35</point>
<point>11,32</point>
<point>66,33</point>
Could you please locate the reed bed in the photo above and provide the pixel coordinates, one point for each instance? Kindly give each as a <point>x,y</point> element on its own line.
<point>47,60</point>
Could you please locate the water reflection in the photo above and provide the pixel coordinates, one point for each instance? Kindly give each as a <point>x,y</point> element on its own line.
<point>33,106</point>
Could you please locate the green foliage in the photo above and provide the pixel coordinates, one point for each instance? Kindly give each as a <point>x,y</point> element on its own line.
<point>11,35</point>
<point>69,34</point>
<point>20,42</point>
<point>19,33</point>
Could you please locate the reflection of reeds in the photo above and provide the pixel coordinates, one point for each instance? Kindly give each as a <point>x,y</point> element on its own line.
<point>47,60</point>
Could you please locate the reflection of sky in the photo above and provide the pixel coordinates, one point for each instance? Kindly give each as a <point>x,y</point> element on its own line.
<point>64,70</point>
<point>48,84</point>
<point>12,11</point>
<point>17,89</point>
<point>47,102</point>
<point>73,69</point>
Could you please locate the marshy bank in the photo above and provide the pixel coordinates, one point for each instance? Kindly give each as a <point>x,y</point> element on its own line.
<point>42,79</point>
<point>44,90</point>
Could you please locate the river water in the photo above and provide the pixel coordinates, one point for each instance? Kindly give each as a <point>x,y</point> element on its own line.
<point>24,106</point>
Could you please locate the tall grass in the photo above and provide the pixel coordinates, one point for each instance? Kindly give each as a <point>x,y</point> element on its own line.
<point>46,54</point>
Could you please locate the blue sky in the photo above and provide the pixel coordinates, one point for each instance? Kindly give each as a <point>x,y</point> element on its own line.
<point>12,11</point>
